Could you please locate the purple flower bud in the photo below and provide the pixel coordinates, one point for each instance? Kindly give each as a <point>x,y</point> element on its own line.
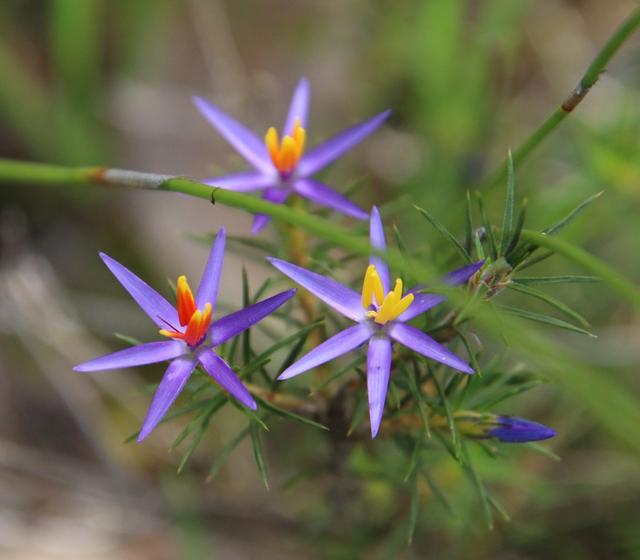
<point>518,430</point>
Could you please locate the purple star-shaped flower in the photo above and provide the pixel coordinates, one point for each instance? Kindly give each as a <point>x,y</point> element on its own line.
<point>192,333</point>
<point>381,315</point>
<point>282,167</point>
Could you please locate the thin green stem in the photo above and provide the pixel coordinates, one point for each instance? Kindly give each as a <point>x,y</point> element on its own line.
<point>588,80</point>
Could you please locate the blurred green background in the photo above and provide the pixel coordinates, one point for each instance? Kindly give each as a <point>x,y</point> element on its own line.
<point>109,82</point>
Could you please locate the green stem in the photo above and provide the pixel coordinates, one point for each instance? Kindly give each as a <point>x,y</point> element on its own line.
<point>590,77</point>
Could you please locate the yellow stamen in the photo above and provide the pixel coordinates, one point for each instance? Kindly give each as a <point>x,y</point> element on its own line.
<point>285,154</point>
<point>372,287</point>
<point>391,306</point>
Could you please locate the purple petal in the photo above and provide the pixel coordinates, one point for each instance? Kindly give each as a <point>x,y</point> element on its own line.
<point>299,107</point>
<point>325,196</point>
<point>241,138</point>
<point>325,153</point>
<point>341,343</point>
<point>461,275</point>
<point>334,294</point>
<point>518,430</point>
<point>275,195</point>
<point>210,281</point>
<point>235,323</point>
<point>151,302</point>
<point>172,383</point>
<point>378,241</point>
<point>378,368</point>
<point>242,182</point>
<point>419,342</point>
<point>421,304</point>
<point>149,353</point>
<point>222,374</point>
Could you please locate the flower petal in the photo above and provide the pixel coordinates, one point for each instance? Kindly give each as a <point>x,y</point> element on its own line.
<point>325,196</point>
<point>222,374</point>
<point>151,302</point>
<point>140,355</point>
<point>325,153</point>
<point>519,430</point>
<point>421,304</point>
<point>378,369</point>
<point>419,342</point>
<point>341,343</point>
<point>210,281</point>
<point>334,294</point>
<point>378,241</point>
<point>247,144</point>
<point>299,107</point>
<point>275,195</point>
<point>242,182</point>
<point>461,275</point>
<point>235,323</point>
<point>172,383</point>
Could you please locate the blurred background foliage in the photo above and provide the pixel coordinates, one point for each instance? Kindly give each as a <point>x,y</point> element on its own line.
<point>96,82</point>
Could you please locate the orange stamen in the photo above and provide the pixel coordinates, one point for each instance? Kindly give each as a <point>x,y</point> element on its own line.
<point>186,303</point>
<point>285,154</point>
<point>197,321</point>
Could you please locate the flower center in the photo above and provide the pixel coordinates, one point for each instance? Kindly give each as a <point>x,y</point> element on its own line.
<point>197,321</point>
<point>285,154</point>
<point>386,308</point>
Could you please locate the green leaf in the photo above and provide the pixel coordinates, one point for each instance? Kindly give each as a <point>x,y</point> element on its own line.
<point>566,279</point>
<point>515,239</point>
<point>202,428</point>
<point>413,509</point>
<point>545,319</point>
<point>260,358</point>
<point>553,302</point>
<point>435,488</point>
<point>290,415</point>
<point>445,233</point>
<point>294,352</point>
<point>530,261</point>
<point>419,398</point>
<point>625,287</point>
<point>551,230</point>
<point>127,339</point>
<point>246,335</point>
<point>499,508</point>
<point>468,224</point>
<point>257,453</point>
<point>471,472</point>
<point>534,446</point>
<point>358,413</point>
<point>490,401</point>
<point>450,419</point>
<point>493,248</point>
<point>478,245</point>
<point>214,405</point>
<point>349,367</point>
<point>415,456</point>
<point>507,221</point>
<point>224,454</point>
